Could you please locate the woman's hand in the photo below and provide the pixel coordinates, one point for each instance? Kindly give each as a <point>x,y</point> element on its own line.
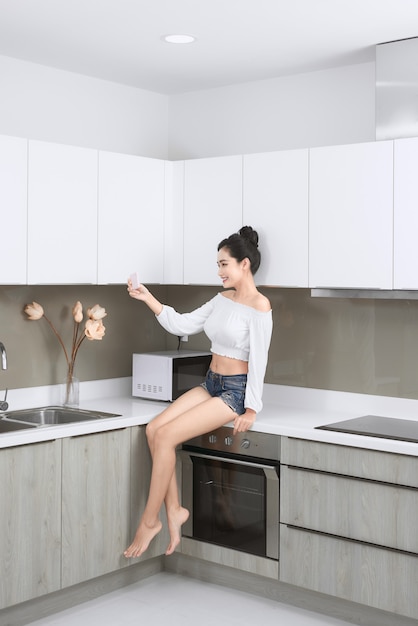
<point>243,422</point>
<point>143,294</point>
<point>139,294</point>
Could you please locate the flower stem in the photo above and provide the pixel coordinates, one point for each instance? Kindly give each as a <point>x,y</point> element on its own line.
<point>58,336</point>
<point>76,347</point>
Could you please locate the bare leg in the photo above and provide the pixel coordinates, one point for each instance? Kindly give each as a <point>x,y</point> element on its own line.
<point>193,414</point>
<point>176,514</point>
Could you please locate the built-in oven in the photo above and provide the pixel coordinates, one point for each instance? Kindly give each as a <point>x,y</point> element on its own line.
<point>230,484</point>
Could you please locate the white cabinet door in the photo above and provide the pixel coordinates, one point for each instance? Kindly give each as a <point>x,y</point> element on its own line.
<point>174,222</point>
<point>276,205</point>
<point>62,214</point>
<point>212,211</point>
<point>351,216</point>
<point>13,209</point>
<point>131,218</point>
<point>406,214</point>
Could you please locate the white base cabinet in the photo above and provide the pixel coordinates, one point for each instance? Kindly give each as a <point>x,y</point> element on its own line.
<point>30,522</point>
<point>347,524</point>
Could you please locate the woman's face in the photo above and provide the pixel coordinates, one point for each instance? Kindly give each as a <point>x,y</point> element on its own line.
<point>230,270</point>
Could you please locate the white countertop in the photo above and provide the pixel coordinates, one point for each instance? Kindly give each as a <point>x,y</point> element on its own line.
<point>288,411</point>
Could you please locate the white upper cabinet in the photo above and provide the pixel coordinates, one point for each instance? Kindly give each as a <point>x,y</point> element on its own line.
<point>406,214</point>
<point>276,205</point>
<point>174,222</point>
<point>131,218</point>
<point>212,212</point>
<point>351,216</point>
<point>62,214</point>
<point>13,209</point>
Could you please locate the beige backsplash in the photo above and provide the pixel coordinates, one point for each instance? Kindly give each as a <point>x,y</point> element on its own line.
<point>358,345</point>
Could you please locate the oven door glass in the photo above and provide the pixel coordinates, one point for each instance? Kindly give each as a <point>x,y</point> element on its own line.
<point>229,505</point>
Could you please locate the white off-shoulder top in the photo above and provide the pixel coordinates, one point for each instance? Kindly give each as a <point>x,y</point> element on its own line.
<point>235,330</point>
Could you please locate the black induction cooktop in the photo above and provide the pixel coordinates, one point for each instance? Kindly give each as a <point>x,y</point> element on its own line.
<point>377,426</point>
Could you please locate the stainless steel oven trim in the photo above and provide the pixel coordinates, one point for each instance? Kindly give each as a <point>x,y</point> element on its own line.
<point>272,495</point>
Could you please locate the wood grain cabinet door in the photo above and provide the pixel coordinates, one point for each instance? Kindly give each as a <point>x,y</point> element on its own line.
<point>30,522</point>
<point>373,576</point>
<point>95,504</point>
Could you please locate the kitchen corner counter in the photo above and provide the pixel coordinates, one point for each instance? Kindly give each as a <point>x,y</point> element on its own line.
<point>288,411</point>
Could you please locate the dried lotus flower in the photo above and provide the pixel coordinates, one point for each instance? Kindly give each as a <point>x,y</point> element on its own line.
<point>97,312</point>
<point>34,311</point>
<point>78,312</point>
<point>94,330</point>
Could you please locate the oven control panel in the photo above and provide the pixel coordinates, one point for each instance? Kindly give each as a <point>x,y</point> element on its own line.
<point>250,443</point>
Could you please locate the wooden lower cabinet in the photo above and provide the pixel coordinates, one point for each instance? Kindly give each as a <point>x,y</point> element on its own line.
<point>95,504</point>
<point>30,521</point>
<point>364,510</point>
<point>68,510</point>
<point>384,579</point>
<point>348,524</point>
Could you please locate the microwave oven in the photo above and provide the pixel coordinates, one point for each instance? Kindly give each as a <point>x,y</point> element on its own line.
<point>166,375</point>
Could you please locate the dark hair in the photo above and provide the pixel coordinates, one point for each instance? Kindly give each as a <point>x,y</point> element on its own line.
<point>243,245</point>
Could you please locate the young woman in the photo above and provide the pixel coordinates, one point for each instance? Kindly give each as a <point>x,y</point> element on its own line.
<point>238,323</point>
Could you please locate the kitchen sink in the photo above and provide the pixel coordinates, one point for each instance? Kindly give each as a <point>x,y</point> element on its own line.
<point>49,415</point>
<point>8,427</point>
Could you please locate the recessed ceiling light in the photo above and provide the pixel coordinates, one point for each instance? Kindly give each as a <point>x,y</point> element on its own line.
<point>179,38</point>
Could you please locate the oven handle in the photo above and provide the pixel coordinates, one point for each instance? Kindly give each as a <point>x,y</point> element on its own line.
<point>187,453</point>
<point>272,496</point>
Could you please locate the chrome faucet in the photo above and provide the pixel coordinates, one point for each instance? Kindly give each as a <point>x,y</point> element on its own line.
<point>3,356</point>
<point>3,404</point>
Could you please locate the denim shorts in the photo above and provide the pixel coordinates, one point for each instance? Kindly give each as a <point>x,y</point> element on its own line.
<point>230,389</point>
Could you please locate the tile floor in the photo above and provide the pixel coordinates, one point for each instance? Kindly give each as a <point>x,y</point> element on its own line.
<point>177,600</point>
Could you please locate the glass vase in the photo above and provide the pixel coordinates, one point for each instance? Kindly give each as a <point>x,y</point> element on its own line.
<point>70,391</point>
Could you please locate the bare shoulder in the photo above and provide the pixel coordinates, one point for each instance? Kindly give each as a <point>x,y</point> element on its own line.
<point>262,303</point>
<point>254,300</point>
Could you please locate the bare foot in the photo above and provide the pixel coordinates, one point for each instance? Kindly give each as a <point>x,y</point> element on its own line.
<point>142,539</point>
<point>176,519</point>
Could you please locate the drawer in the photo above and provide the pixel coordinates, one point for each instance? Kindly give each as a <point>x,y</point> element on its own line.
<point>376,577</point>
<point>355,509</point>
<point>388,467</point>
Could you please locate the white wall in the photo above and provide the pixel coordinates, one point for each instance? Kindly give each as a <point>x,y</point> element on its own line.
<point>333,106</point>
<point>43,103</point>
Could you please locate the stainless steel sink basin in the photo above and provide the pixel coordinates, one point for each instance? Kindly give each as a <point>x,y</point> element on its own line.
<point>8,427</point>
<point>48,415</point>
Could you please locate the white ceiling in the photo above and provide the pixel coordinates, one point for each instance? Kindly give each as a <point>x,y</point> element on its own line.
<point>237,40</point>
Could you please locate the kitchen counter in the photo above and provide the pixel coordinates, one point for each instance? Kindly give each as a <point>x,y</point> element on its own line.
<point>288,411</point>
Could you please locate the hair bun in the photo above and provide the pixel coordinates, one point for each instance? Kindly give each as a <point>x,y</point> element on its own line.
<point>251,235</point>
